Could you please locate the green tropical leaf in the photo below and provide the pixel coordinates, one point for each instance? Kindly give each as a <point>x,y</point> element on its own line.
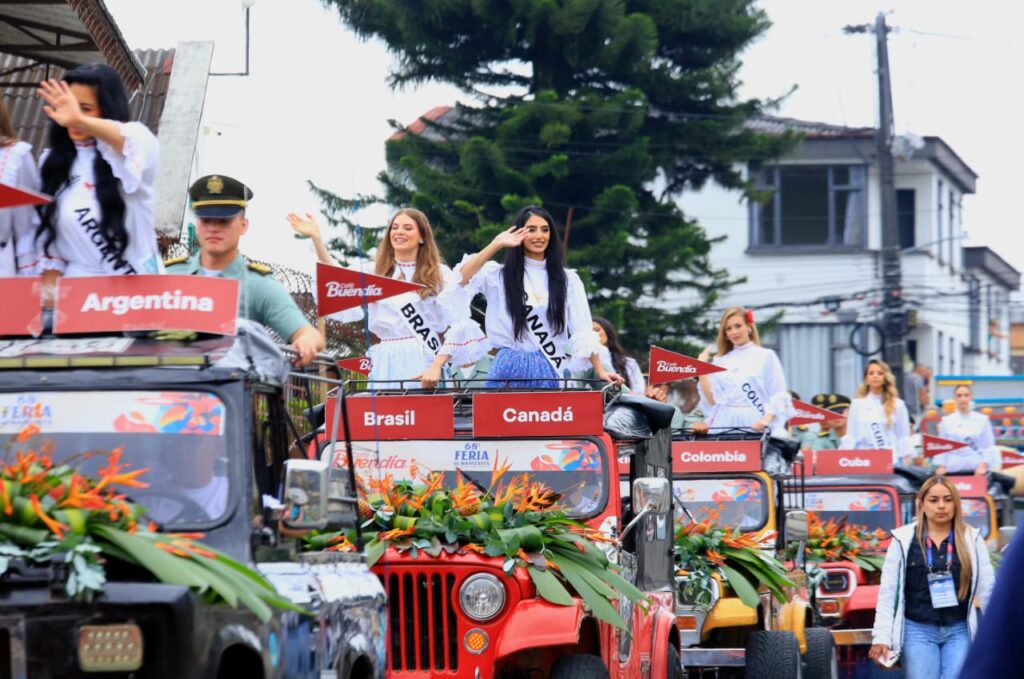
<point>549,587</point>
<point>375,550</point>
<point>598,604</point>
<point>739,584</point>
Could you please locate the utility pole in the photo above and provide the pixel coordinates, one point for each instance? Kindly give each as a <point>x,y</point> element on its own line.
<point>892,281</point>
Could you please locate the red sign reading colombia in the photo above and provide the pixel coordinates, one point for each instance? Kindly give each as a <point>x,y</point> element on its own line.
<point>716,456</point>
<point>538,414</point>
<point>396,418</point>
<point>867,461</point>
<point>94,304</point>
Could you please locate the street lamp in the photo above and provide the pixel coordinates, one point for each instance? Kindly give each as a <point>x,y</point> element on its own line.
<point>246,6</point>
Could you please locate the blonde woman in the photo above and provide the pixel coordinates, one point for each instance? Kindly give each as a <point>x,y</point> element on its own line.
<point>934,571</point>
<point>878,417</point>
<point>972,428</point>
<point>752,392</point>
<point>417,332</point>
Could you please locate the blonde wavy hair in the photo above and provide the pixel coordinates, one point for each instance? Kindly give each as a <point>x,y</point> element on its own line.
<point>724,345</point>
<point>428,257</point>
<point>959,531</point>
<point>890,394</point>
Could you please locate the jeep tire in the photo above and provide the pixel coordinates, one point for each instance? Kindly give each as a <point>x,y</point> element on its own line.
<point>820,661</point>
<point>579,666</point>
<point>772,654</point>
<point>675,669</point>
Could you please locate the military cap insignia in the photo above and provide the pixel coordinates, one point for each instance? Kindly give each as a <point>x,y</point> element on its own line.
<point>214,184</point>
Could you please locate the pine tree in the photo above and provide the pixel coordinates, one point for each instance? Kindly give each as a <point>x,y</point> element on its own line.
<point>608,109</point>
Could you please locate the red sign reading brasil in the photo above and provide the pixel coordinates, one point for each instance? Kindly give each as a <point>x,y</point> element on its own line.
<point>538,414</point>
<point>933,445</point>
<point>970,486</point>
<point>668,366</point>
<point>867,461</point>
<point>809,414</point>
<point>716,456</point>
<point>360,364</point>
<point>118,303</point>
<point>395,418</point>
<point>22,306</point>
<point>338,288</point>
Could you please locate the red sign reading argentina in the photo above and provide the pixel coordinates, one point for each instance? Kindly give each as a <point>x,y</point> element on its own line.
<point>933,445</point>
<point>360,364</point>
<point>22,306</point>
<point>538,414</point>
<point>868,461</point>
<point>338,288</point>
<point>117,303</point>
<point>396,418</point>
<point>970,486</point>
<point>668,366</point>
<point>716,456</point>
<point>809,414</point>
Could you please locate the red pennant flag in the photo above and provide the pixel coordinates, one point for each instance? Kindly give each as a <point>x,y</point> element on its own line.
<point>360,364</point>
<point>933,445</point>
<point>668,366</point>
<point>1011,458</point>
<point>809,414</point>
<point>338,288</point>
<point>14,196</point>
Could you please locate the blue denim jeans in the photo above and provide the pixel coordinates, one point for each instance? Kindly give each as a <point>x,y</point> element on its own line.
<point>933,651</point>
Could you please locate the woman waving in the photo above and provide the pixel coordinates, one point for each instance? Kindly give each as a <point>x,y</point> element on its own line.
<point>417,332</point>
<point>752,391</point>
<point>538,316</point>
<point>878,417</point>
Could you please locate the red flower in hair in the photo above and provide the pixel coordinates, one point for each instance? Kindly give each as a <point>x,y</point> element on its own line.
<point>750,316</point>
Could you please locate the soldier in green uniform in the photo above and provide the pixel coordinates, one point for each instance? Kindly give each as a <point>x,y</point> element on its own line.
<point>824,436</point>
<point>219,202</point>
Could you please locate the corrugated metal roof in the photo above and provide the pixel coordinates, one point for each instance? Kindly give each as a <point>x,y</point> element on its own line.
<point>26,109</point>
<point>810,129</point>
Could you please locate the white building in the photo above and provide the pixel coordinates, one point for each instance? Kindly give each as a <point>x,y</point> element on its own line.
<point>813,252</point>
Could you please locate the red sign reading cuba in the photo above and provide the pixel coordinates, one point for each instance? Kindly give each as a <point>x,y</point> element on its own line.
<point>970,486</point>
<point>809,414</point>
<point>22,306</point>
<point>868,461</point>
<point>668,366</point>
<point>538,414</point>
<point>395,418</point>
<point>338,288</point>
<point>150,302</point>
<point>934,445</point>
<point>360,364</point>
<point>716,456</point>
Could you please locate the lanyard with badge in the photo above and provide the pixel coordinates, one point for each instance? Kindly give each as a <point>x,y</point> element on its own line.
<point>940,584</point>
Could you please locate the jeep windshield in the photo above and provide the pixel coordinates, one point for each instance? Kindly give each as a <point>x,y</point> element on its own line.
<point>736,500</point>
<point>575,469</point>
<point>976,513</point>
<point>869,509</point>
<point>177,435</point>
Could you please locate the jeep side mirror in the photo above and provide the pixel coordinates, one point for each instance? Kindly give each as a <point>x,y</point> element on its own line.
<point>305,494</point>
<point>341,507</point>
<point>651,495</point>
<point>796,525</point>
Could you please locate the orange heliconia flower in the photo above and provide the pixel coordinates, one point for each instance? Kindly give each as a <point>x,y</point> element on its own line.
<point>28,432</point>
<point>56,527</point>
<point>396,533</point>
<point>715,558</point>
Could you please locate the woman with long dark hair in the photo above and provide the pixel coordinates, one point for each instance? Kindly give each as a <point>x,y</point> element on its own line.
<point>878,417</point>
<point>418,333</point>
<point>538,316</point>
<point>617,359</point>
<point>17,224</point>
<point>100,169</point>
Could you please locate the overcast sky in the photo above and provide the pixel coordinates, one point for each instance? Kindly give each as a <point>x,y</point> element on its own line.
<point>316,105</point>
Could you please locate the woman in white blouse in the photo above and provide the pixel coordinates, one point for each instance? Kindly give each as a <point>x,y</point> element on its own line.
<point>101,172</point>
<point>878,417</point>
<point>17,224</point>
<point>974,429</point>
<point>417,332</point>
<point>614,356</point>
<point>538,316</point>
<point>752,391</point>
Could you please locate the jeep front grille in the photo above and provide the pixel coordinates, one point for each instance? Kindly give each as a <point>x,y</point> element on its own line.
<point>422,621</point>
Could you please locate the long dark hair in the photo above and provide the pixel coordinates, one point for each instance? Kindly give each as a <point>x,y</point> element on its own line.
<point>56,169</point>
<point>618,354</point>
<point>554,262</point>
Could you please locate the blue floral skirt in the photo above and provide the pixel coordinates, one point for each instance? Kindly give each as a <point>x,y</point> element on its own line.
<point>530,366</point>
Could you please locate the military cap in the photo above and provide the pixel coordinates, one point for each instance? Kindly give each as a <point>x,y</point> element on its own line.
<point>217,196</point>
<point>838,402</point>
<point>820,400</point>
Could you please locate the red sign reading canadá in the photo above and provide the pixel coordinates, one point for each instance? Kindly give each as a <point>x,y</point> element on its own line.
<point>118,303</point>
<point>396,418</point>
<point>538,414</point>
<point>933,445</point>
<point>809,414</point>
<point>716,456</point>
<point>867,461</point>
<point>338,288</point>
<point>22,306</point>
<point>668,366</point>
<point>970,486</point>
<point>360,364</point>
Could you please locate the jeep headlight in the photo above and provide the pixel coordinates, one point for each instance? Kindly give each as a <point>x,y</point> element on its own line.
<point>482,596</point>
